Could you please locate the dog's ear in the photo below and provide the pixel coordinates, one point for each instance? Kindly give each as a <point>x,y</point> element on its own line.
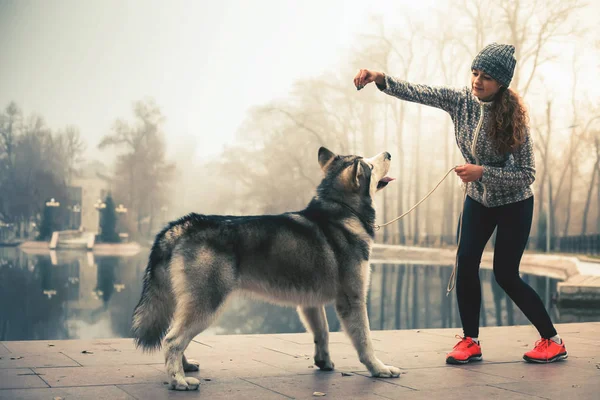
<point>325,157</point>
<point>352,176</point>
<point>357,171</point>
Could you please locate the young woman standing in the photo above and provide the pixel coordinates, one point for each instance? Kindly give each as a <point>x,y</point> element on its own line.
<point>492,133</point>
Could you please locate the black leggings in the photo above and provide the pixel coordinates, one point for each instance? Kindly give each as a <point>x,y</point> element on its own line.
<point>514,223</point>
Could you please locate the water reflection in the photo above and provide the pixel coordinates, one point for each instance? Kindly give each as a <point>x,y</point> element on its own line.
<point>78,295</point>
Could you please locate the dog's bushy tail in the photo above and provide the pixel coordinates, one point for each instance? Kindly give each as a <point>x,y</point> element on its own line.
<point>152,315</point>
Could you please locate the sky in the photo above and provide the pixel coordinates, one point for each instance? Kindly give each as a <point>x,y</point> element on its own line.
<point>206,63</point>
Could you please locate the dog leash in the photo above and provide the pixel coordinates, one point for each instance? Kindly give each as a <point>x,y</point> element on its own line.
<point>452,281</point>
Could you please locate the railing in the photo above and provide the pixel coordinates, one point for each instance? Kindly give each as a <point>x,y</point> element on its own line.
<point>580,244</point>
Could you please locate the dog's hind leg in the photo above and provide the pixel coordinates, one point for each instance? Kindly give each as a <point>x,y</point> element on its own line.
<point>314,320</point>
<point>352,310</point>
<point>200,289</point>
<point>184,327</point>
<point>190,365</point>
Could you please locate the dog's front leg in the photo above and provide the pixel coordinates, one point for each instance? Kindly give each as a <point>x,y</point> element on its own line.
<point>352,310</point>
<point>315,321</point>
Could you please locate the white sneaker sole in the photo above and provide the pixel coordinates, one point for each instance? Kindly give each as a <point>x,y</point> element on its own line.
<point>454,361</point>
<point>559,357</point>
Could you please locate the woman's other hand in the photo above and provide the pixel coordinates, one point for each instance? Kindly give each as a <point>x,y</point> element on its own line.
<point>469,172</point>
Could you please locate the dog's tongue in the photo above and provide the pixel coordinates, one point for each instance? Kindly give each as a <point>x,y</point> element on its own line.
<point>383,182</point>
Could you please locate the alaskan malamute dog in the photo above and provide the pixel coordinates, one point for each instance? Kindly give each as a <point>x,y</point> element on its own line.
<point>306,259</point>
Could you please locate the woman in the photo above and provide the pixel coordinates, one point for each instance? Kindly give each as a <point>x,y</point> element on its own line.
<point>491,128</point>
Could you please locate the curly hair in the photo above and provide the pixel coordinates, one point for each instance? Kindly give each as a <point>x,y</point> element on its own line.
<point>509,123</point>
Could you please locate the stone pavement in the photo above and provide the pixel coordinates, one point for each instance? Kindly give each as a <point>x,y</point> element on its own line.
<point>280,367</point>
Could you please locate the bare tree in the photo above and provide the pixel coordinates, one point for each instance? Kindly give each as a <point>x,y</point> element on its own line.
<point>531,25</point>
<point>142,172</point>
<point>543,147</point>
<point>595,141</point>
<point>573,142</point>
<point>10,128</point>
<point>471,24</point>
<point>397,49</point>
<point>72,148</point>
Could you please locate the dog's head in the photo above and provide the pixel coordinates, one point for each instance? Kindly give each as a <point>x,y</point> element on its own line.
<point>355,175</point>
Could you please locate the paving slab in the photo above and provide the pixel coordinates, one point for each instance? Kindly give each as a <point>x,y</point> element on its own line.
<point>32,360</point>
<point>104,375</point>
<point>445,377</point>
<point>43,346</point>
<point>559,372</point>
<point>245,368</point>
<point>333,385</point>
<point>108,392</point>
<point>576,388</point>
<point>469,392</point>
<point>20,378</point>
<point>214,390</point>
<point>115,357</point>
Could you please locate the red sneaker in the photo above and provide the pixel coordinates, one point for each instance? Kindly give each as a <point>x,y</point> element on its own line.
<point>546,351</point>
<point>465,351</point>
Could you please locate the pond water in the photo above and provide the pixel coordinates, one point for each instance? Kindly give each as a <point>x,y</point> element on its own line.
<point>82,296</point>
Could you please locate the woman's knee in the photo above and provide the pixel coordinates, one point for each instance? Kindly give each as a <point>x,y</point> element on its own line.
<point>506,280</point>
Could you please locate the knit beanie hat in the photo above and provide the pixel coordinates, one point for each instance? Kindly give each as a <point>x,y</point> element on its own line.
<point>497,61</point>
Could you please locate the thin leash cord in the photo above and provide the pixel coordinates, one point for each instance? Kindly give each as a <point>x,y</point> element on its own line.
<point>377,227</point>
<point>452,281</point>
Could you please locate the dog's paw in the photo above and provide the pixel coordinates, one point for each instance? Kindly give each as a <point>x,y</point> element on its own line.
<point>194,384</point>
<point>325,365</point>
<point>191,366</point>
<point>387,371</point>
<point>185,384</point>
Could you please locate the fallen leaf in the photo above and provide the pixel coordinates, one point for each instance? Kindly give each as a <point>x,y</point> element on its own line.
<point>50,345</point>
<point>86,352</point>
<point>16,358</point>
<point>346,374</point>
<point>207,379</point>
<point>319,394</point>
<point>598,365</point>
<point>311,366</point>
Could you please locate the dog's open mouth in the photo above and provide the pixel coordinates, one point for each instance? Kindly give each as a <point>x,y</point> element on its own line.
<point>383,182</point>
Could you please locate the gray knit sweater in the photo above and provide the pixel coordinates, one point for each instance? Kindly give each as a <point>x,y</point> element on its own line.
<point>506,178</point>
